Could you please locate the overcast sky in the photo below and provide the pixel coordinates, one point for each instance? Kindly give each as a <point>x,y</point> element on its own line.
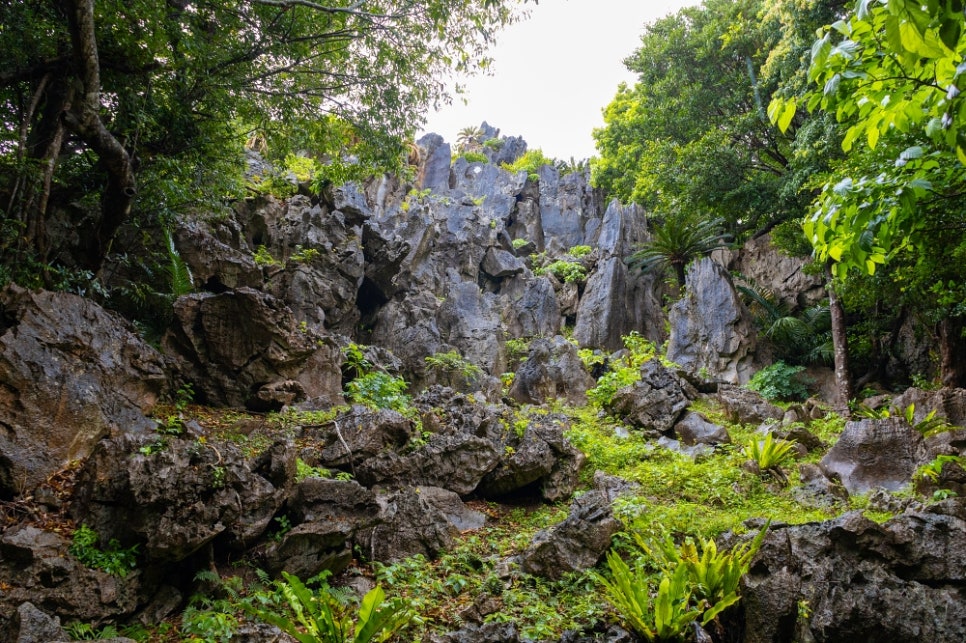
<point>555,72</point>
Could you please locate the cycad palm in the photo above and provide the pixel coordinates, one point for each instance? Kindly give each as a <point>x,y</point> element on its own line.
<point>469,139</point>
<point>676,243</point>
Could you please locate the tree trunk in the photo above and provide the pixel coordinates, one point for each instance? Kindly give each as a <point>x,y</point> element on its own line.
<point>84,120</point>
<point>840,345</point>
<point>952,352</point>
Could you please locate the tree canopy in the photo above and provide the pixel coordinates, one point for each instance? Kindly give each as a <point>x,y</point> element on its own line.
<point>152,100</point>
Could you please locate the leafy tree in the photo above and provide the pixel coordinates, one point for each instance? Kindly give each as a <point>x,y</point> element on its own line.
<point>691,135</point>
<point>891,74</point>
<point>151,100</point>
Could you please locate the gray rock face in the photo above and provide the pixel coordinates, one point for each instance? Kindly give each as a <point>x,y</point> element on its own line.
<point>454,462</point>
<point>38,570</point>
<point>176,499</point>
<point>710,327</point>
<point>616,300</point>
<point>875,453</point>
<point>747,407</point>
<point>71,373</point>
<point>417,520</point>
<point>656,402</point>
<point>213,255</point>
<point>542,455</point>
<point>485,633</point>
<point>768,269</point>
<point>553,370</point>
<point>900,581</point>
<point>359,434</point>
<point>35,626</point>
<point>694,428</point>
<point>575,544</point>
<point>234,343</point>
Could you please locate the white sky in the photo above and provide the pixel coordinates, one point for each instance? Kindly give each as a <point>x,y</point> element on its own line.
<point>554,73</point>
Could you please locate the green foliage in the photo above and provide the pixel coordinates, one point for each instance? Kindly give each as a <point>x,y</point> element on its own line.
<point>566,271</point>
<point>580,251</point>
<point>769,454</point>
<point>379,390</point>
<point>932,469</point>
<point>304,470</point>
<point>304,255</point>
<point>779,381</point>
<point>474,157</point>
<point>87,632</point>
<point>530,162</point>
<point>113,559</point>
<point>623,371</point>
<point>670,615</point>
<point>264,258</point>
<point>453,362</point>
<point>804,338</point>
<point>324,616</point>
<point>519,243</point>
<point>179,275</point>
<point>677,242</point>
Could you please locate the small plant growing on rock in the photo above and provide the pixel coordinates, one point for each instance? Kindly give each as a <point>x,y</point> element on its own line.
<point>114,559</point>
<point>453,362</point>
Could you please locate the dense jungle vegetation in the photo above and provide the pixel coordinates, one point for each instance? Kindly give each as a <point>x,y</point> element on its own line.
<point>838,127</point>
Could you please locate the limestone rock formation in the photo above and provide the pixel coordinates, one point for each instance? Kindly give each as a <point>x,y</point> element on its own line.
<point>71,373</point>
<point>899,581</point>
<point>875,453</point>
<point>710,327</point>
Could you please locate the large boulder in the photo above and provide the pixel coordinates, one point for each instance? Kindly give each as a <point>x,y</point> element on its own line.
<point>552,370</point>
<point>575,544</point>
<point>875,453</point>
<point>417,520</point>
<point>36,568</point>
<point>744,406</point>
<point>357,435</point>
<point>176,495</point>
<point>71,373</point>
<point>711,329</point>
<point>237,344</point>
<point>542,457</point>
<point>900,581</point>
<point>656,401</point>
<point>456,462</point>
<point>694,428</point>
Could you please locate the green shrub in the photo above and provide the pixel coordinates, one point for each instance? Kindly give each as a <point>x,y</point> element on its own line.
<point>453,362</point>
<point>325,616</point>
<point>379,390</point>
<point>566,271</point>
<point>519,243</point>
<point>475,157</point>
<point>779,381</point>
<point>530,162</point>
<point>580,251</point>
<point>264,258</point>
<point>769,454</point>
<point>114,560</point>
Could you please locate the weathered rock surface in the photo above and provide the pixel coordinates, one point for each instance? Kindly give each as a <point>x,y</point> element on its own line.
<point>552,370</point>
<point>454,462</point>
<point>36,568</point>
<point>694,428</point>
<point>71,373</point>
<point>177,497</point>
<point>417,520</point>
<point>575,544</point>
<point>875,453</point>
<point>710,327</point>
<point>947,403</point>
<point>774,272</point>
<point>656,402</point>
<point>747,407</point>
<point>359,434</point>
<point>541,456</point>
<point>235,343</point>
<point>900,581</point>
